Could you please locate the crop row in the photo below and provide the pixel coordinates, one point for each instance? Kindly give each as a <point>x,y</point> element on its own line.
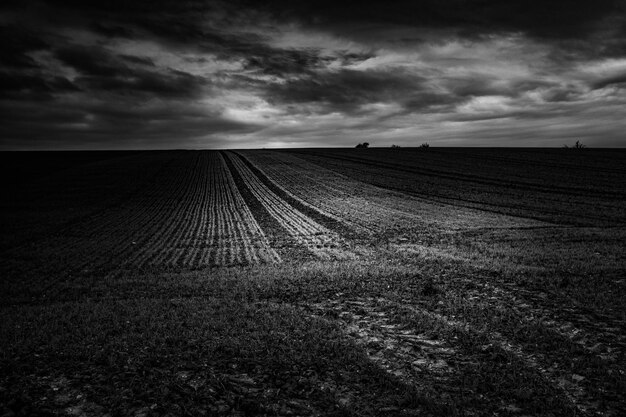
<point>318,239</point>
<point>524,170</point>
<point>543,196</point>
<point>189,216</point>
<point>37,206</point>
<point>368,209</point>
<point>208,224</point>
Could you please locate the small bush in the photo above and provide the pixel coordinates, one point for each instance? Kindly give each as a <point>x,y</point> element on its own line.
<point>577,145</point>
<point>363,145</point>
<point>395,146</point>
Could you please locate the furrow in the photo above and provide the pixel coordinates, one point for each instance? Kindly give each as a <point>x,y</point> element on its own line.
<point>323,242</point>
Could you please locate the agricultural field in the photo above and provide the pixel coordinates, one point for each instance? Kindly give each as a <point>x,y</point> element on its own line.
<point>314,282</point>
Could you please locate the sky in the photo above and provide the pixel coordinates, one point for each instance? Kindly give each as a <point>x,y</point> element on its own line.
<point>150,74</point>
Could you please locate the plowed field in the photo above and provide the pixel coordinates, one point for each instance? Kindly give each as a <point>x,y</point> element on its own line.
<point>314,282</point>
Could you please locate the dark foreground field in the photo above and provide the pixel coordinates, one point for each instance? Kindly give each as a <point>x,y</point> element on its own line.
<point>314,282</point>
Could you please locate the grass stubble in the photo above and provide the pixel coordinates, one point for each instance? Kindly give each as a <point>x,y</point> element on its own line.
<point>399,332</point>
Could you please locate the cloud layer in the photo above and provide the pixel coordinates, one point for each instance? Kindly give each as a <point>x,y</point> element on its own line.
<point>213,74</point>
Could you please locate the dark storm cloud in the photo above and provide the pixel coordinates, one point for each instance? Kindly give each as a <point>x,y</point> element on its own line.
<point>348,90</point>
<point>183,20</point>
<point>61,80</point>
<point>273,61</point>
<point>615,79</point>
<point>16,43</point>
<point>282,63</point>
<point>112,31</point>
<point>559,94</point>
<point>345,90</point>
<point>137,60</point>
<point>170,73</point>
<point>98,126</point>
<point>19,86</point>
<point>173,84</point>
<point>178,22</point>
<point>546,19</point>
<point>103,71</point>
<point>92,61</point>
<point>426,101</point>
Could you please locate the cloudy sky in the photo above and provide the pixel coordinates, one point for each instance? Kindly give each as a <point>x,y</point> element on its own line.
<point>132,74</point>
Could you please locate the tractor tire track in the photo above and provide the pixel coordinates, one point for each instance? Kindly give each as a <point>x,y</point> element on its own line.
<point>279,239</point>
<point>319,240</point>
<point>386,330</point>
<point>327,221</point>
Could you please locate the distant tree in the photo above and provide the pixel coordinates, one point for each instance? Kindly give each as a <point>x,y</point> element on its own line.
<point>425,145</point>
<point>577,145</point>
<point>395,146</point>
<point>363,145</point>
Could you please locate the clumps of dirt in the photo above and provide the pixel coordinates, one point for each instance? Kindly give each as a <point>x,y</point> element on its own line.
<point>394,347</point>
<point>437,362</point>
<point>416,359</point>
<point>52,396</point>
<point>594,344</point>
<point>600,335</point>
<point>199,393</point>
